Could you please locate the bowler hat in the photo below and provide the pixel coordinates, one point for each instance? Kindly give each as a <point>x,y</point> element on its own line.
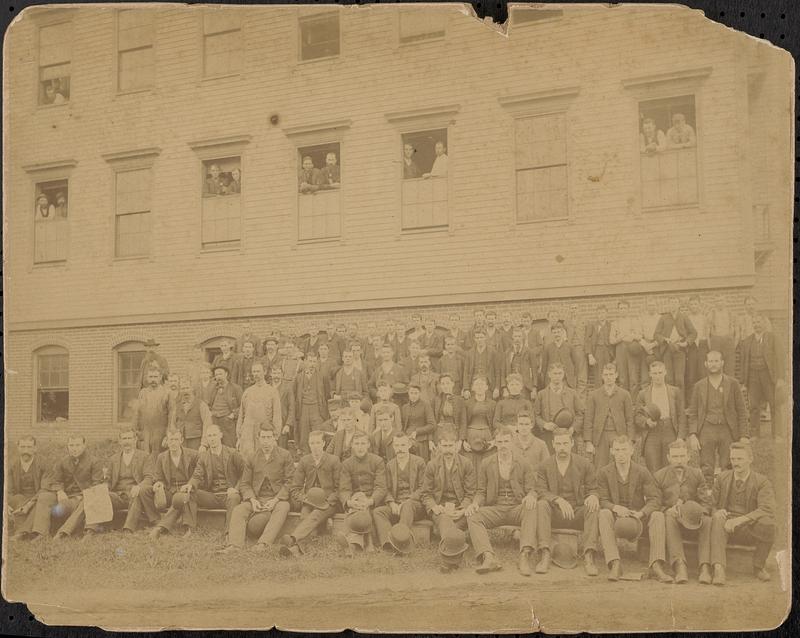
<point>315,497</point>
<point>272,338</point>
<point>653,411</point>
<point>360,522</point>
<point>400,538</point>
<point>476,439</point>
<point>690,514</point>
<point>564,418</point>
<point>453,543</point>
<point>160,498</point>
<point>152,343</point>
<point>399,388</point>
<point>634,348</point>
<point>628,528</point>
<point>564,555</point>
<point>220,366</point>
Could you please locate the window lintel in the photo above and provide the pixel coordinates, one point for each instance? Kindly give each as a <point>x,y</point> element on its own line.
<point>143,154</point>
<point>219,146</point>
<point>533,102</point>
<point>57,165</point>
<point>317,130</point>
<point>424,118</point>
<point>680,78</point>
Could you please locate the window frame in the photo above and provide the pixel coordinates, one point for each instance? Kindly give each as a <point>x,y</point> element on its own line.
<point>116,74</point>
<point>202,47</point>
<point>50,349</point>
<point>212,343</point>
<point>126,347</point>
<point>309,17</point>
<point>239,198</point>
<point>439,227</point>
<point>322,141</point>
<point>411,44</point>
<point>58,17</point>
<point>534,23</point>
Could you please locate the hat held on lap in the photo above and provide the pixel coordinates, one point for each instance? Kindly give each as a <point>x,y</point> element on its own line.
<point>400,538</point>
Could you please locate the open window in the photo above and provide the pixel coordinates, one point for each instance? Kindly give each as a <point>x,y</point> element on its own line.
<point>319,184</point>
<point>52,384</point>
<point>222,213</point>
<point>55,63</point>
<point>51,221</point>
<point>424,179</point>
<point>319,36</point>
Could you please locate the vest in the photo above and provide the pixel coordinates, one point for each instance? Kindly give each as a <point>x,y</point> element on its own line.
<point>190,423</point>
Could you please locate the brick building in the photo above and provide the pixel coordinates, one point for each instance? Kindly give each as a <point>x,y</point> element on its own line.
<point>160,149</point>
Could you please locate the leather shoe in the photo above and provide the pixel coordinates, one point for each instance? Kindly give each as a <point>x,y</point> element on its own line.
<point>658,571</point>
<point>614,570</point>
<point>719,575</point>
<point>705,574</point>
<point>589,564</point>
<point>543,566</point>
<point>524,564</point>
<point>488,564</point>
<point>156,532</point>
<point>762,574</point>
<point>681,575</point>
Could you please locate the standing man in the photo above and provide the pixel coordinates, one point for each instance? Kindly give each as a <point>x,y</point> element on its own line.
<point>26,478</point>
<point>311,395</point>
<point>717,415</point>
<point>506,330</point>
<point>657,434</point>
<point>191,416</point>
<point>609,414</point>
<point>264,490</point>
<point>458,333</point>
<point>426,378</point>
<point>575,325</point>
<point>481,361</point>
<point>494,337</point>
<point>153,412</point>
<point>132,472</point>
<point>557,350</point>
<point>224,402</point>
<point>382,438</point>
<point>227,357</point>
<point>242,370</point>
<point>744,322</point>
<point>260,408</point>
<point>506,495</point>
<point>452,363</point>
<point>432,341</point>
<point>152,357</point>
<point>649,322</point>
<point>348,378</point>
<point>526,446</point>
<point>521,360</point>
<point>555,397</point>
<point>286,394</point>
<point>698,347</point>
<point>722,334</point>
<point>627,490</point>
<point>417,421</point>
<point>174,470</point>
<point>389,371</point>
<point>531,337</point>
<point>598,343</point>
<point>674,332</point>
<point>762,370</point>
<point>626,333</point>
<point>744,512</point>
<point>271,359</point>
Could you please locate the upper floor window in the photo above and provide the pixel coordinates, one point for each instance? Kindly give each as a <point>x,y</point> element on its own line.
<point>668,151</point>
<point>52,384</point>
<point>222,42</point>
<point>526,15</point>
<point>424,185</point>
<point>135,49</point>
<point>55,55</point>
<point>319,182</point>
<point>51,221</point>
<point>417,26</point>
<point>541,167</point>
<point>222,215</point>
<point>133,216</point>
<point>129,357</point>
<point>319,36</point>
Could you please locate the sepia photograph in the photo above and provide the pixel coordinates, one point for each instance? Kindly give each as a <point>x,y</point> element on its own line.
<point>397,319</point>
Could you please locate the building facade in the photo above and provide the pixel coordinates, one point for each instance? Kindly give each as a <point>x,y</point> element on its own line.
<point>195,173</point>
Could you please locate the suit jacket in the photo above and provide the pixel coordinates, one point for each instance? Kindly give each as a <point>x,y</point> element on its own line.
<point>454,366</point>
<point>597,407</point>
<point>462,476</point>
<point>580,473</point>
<point>545,412</point>
<point>692,488</point>
<point>233,395</point>
<point>642,490</point>
<point>381,445</point>
<point>320,388</point>
<point>432,344</point>
<point>397,374</point>
<point>337,445</point>
<point>459,418</point>
<point>278,470</point>
<point>523,480</point>
<point>15,475</point>
<point>416,476</point>
<point>88,471</point>
<point>732,404</point>
<point>286,392</point>
<point>772,356</point>
<point>418,417</point>
<point>141,465</point>
<point>493,368</point>
<point>359,379</point>
<point>760,496</point>
<point>681,323</point>
<point>526,364</point>
<point>239,372</point>
<point>598,335</point>
<point>203,476</point>
<point>366,475</point>
<point>307,475</point>
<point>677,410</point>
<point>163,471</point>
<point>564,355</point>
<point>496,340</point>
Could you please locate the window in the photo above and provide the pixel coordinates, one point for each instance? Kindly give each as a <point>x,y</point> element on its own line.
<point>133,223</point>
<point>212,348</point>
<point>319,184</point>
<point>541,165</point>
<point>319,36</point>
<point>136,58</point>
<point>51,222</point>
<point>55,54</point>
<point>668,152</point>
<point>52,385</point>
<point>524,15</point>
<point>222,186</point>
<point>222,42</point>
<point>417,26</point>
<point>424,184</point>
<point>129,370</point>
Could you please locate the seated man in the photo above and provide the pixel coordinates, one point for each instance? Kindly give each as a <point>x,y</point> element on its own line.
<point>26,479</point>
<point>627,490</point>
<point>313,492</point>
<point>382,439</point>
<point>132,472</point>
<point>567,486</point>
<point>216,476</point>
<point>265,495</point>
<point>680,485</point>
<point>174,470</point>
<point>362,487</point>
<point>448,488</point>
<point>744,512</point>
<point>507,409</point>
<point>526,446</point>
<point>74,473</point>
<point>506,495</point>
<point>403,503</point>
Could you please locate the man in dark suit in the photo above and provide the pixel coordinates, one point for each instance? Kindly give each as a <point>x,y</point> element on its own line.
<point>26,478</point>
<point>673,334</point>
<point>521,360</point>
<point>481,360</point>
<point>506,495</point>
<point>403,503</point>
<point>317,470</point>
<point>597,346</point>
<point>132,471</point>
<point>286,394</point>
<point>656,435</point>
<point>762,370</point>
<point>342,442</point>
<point>567,488</point>
<point>382,438</point>
<point>558,350</point>
<point>744,512</point>
<point>556,396</point>
<point>452,363</point>
<point>717,415</point>
<point>680,484</point>
<point>265,495</point>
<point>311,396</point>
<point>152,357</point>
<point>627,490</point>
<point>609,413</point>
<point>224,401</point>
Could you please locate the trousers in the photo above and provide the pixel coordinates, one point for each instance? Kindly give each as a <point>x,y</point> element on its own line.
<point>675,362</point>
<point>630,368</point>
<point>715,438</point>
<point>762,535</point>
<point>585,520</point>
<point>677,532</point>
<point>695,358</point>
<point>761,390</point>
<point>121,501</point>
<point>311,519</point>
<point>309,420</point>
<point>266,526</point>
<point>656,444</point>
<point>182,511</point>
<point>22,522</point>
<point>143,504</point>
<point>216,500</point>
<point>383,518</point>
<point>228,428</point>
<point>655,530</point>
<point>491,516</point>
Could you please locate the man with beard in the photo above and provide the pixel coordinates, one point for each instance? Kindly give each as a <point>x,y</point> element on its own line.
<point>426,378</point>
<point>151,357</point>
<point>272,359</point>
<point>260,408</point>
<point>26,479</point>
<point>311,396</point>
<point>224,403</point>
<point>191,416</point>
<point>153,413</point>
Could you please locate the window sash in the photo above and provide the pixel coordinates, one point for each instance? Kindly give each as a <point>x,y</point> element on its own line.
<point>51,240</point>
<point>128,381</point>
<point>135,29</point>
<point>222,53</point>
<point>416,26</point>
<point>136,69</point>
<point>53,371</point>
<point>221,221</point>
<point>669,178</point>
<point>319,37</point>
<point>217,21</point>
<point>55,44</point>
<point>133,235</point>
<point>542,193</point>
<point>424,203</point>
<point>319,215</point>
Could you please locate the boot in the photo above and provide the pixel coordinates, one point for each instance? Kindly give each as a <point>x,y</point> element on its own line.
<point>488,564</point>
<point>588,563</point>
<point>614,570</point>
<point>681,575</point>
<point>705,574</point>
<point>156,532</point>
<point>719,574</point>
<point>524,564</point>
<point>544,562</point>
<point>658,571</point>
<point>761,573</point>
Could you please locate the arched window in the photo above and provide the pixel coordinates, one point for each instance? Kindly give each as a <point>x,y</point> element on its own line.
<point>51,365</point>
<point>128,363</point>
<point>211,348</point>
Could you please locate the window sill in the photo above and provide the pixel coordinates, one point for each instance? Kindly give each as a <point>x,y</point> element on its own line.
<point>322,59</point>
<point>424,230</point>
<point>148,89</point>
<point>44,265</point>
<point>536,23</point>
<point>320,240</point>
<point>661,209</point>
<point>223,76</point>
<point>525,222</point>
<point>132,258</point>
<point>412,43</point>
<point>44,107</point>
<point>210,250</point>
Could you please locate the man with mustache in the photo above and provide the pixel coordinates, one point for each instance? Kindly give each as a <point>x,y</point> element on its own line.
<point>26,478</point>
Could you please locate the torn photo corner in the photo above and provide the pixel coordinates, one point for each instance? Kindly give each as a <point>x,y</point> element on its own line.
<point>397,319</point>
